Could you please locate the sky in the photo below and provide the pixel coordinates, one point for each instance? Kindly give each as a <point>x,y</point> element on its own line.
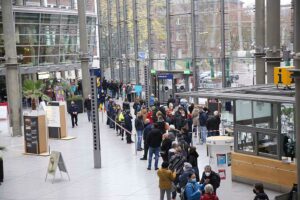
<point>252,2</point>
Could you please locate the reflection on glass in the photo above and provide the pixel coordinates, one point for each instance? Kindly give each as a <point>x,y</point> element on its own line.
<point>288,130</point>
<point>243,112</point>
<point>245,141</point>
<point>265,115</point>
<point>267,143</point>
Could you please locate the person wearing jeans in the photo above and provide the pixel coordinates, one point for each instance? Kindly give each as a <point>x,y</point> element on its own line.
<point>154,140</point>
<point>139,127</point>
<point>203,119</point>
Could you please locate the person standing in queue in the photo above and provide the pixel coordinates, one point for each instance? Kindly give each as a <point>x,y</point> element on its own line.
<point>210,177</point>
<point>193,188</point>
<point>73,111</point>
<point>128,127</point>
<point>148,127</point>
<point>259,192</point>
<point>154,140</point>
<point>139,127</point>
<point>213,124</point>
<point>88,106</point>
<point>166,177</point>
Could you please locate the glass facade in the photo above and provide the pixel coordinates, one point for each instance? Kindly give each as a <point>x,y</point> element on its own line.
<point>173,34</point>
<point>45,38</point>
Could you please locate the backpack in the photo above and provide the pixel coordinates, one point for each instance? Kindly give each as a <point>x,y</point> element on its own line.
<point>183,193</point>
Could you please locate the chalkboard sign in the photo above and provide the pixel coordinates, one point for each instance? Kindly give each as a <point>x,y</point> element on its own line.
<point>56,161</point>
<point>31,134</point>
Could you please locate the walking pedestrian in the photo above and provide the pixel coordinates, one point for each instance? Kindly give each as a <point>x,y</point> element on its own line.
<point>73,111</point>
<point>88,107</point>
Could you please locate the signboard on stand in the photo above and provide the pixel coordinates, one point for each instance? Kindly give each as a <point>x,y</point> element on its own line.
<point>53,115</point>
<point>56,161</point>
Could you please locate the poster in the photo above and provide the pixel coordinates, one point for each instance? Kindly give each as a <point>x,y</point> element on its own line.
<point>229,159</point>
<point>222,174</point>
<point>53,116</point>
<point>3,112</point>
<point>221,159</point>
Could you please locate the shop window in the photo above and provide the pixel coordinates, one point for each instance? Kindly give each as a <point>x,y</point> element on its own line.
<point>267,144</point>
<point>243,112</point>
<point>265,115</point>
<point>245,141</point>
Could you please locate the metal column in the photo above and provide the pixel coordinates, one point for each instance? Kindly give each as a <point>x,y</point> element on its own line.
<point>193,30</point>
<point>260,41</point>
<point>110,62</point>
<point>273,38</point>
<point>223,53</point>
<point>119,40</point>
<point>297,84</point>
<point>13,83</point>
<point>100,26</point>
<point>136,41</point>
<point>86,88</point>
<point>125,10</point>
<point>150,55</point>
<point>168,27</point>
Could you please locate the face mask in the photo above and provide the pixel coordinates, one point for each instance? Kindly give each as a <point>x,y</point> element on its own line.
<point>254,191</point>
<point>207,173</point>
<point>194,180</point>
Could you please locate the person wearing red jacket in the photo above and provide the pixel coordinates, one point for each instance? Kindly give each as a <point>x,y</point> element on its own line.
<point>209,193</point>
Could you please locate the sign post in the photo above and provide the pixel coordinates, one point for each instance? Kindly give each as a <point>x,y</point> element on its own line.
<point>95,122</point>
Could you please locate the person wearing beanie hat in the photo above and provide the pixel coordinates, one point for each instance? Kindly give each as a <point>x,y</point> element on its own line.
<point>166,177</point>
<point>184,177</point>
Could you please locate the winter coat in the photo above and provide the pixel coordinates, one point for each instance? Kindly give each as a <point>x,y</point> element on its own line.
<point>214,179</point>
<point>203,116</point>
<point>166,177</point>
<point>261,196</point>
<point>73,109</point>
<point>213,123</point>
<point>128,123</point>
<point>139,124</point>
<point>88,104</point>
<point>192,158</point>
<point>195,117</point>
<point>146,132</point>
<point>166,145</point>
<point>154,138</point>
<point>192,190</point>
<point>184,177</point>
<point>209,197</point>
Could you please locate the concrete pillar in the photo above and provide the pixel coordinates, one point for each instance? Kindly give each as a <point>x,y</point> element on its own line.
<point>125,13</point>
<point>223,56</point>
<point>119,39</point>
<point>63,74</point>
<point>84,49</point>
<point>260,41</point>
<point>297,85</point>
<point>168,27</point>
<point>12,70</point>
<point>273,38</point>
<point>34,77</point>
<point>193,34</point>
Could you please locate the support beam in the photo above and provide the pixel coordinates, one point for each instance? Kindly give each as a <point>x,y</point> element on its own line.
<point>150,53</point>
<point>13,83</point>
<point>297,85</point>
<point>119,40</point>
<point>125,29</point>
<point>193,33</point>
<point>109,25</point>
<point>260,41</point>
<point>273,38</point>
<point>86,87</point>
<point>168,27</point>
<point>223,55</point>
<point>100,29</point>
<point>136,41</point>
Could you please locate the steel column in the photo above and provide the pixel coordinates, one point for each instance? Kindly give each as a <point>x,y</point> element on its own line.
<point>273,38</point>
<point>99,15</point>
<point>168,27</point>
<point>13,82</point>
<point>136,41</point>
<point>297,84</point>
<point>119,40</point>
<point>86,87</point>
<point>125,10</point>
<point>193,30</point>
<point>260,41</point>
<point>110,62</point>
<point>150,55</point>
<point>223,53</point>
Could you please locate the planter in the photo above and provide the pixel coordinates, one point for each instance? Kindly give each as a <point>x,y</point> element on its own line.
<point>78,103</point>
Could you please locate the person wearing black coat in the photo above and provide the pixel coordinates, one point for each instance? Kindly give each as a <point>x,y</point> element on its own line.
<point>192,158</point>
<point>147,129</point>
<point>88,107</point>
<point>259,192</point>
<point>154,141</point>
<point>213,124</point>
<point>166,145</point>
<point>139,127</point>
<point>210,177</point>
<point>73,111</point>
<point>128,127</point>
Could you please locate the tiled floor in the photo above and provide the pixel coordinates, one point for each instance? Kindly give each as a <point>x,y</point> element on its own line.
<point>122,177</point>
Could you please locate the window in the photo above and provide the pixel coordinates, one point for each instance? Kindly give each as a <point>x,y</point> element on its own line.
<point>245,141</point>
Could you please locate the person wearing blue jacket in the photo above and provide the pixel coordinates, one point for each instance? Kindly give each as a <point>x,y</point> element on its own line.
<point>193,188</point>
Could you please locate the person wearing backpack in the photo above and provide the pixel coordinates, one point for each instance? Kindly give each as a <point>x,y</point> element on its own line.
<point>210,177</point>
<point>192,190</point>
<point>166,177</point>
